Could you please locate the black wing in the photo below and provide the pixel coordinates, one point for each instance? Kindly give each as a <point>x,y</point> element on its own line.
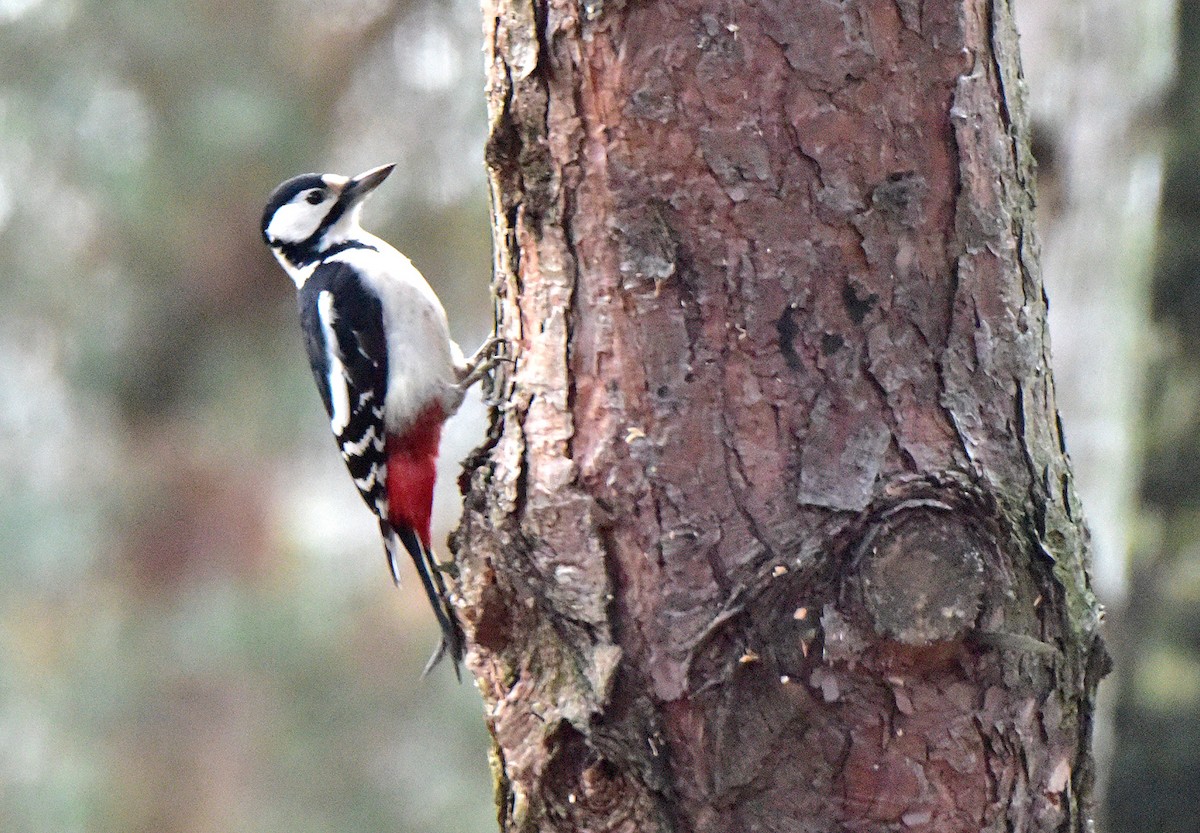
<point>343,327</point>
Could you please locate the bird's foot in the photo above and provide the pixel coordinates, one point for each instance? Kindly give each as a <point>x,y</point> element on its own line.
<point>482,362</point>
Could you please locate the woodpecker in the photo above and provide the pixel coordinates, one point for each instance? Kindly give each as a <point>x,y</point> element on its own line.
<point>381,353</point>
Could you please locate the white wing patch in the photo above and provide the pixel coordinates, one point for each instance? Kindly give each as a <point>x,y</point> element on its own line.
<point>299,275</point>
<point>339,390</point>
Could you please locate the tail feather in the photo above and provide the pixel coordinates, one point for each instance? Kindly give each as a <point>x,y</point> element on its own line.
<point>453,641</point>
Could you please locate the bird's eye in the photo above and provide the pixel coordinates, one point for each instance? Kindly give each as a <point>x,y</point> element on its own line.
<point>315,197</point>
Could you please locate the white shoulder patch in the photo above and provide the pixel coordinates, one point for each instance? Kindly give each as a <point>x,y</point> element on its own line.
<point>299,275</point>
<point>339,390</point>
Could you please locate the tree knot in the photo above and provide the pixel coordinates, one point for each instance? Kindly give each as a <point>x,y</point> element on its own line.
<point>920,569</point>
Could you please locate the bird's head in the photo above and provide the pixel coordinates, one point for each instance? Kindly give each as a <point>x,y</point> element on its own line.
<point>308,214</point>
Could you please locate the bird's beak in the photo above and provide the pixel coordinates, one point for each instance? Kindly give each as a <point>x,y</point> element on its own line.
<point>358,187</point>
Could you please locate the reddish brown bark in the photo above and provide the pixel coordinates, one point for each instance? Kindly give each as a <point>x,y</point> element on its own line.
<point>775,531</point>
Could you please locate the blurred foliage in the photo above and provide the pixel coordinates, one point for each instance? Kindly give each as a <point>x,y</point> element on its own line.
<point>196,629</point>
<point>197,632</point>
<point>1154,778</point>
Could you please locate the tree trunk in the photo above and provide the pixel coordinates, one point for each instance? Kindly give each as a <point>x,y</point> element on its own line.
<point>775,530</point>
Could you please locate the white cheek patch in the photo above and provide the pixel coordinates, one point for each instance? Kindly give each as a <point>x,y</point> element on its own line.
<point>296,221</point>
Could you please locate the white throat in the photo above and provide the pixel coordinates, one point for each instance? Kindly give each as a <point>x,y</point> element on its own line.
<point>346,228</point>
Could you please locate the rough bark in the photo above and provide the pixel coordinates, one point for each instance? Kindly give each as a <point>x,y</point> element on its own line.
<point>774,530</point>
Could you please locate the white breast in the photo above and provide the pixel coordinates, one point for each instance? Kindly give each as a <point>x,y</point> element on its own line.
<point>420,352</point>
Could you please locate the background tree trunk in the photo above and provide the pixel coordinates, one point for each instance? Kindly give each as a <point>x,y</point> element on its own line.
<point>1098,71</point>
<point>775,530</point>
<point>1158,710</point>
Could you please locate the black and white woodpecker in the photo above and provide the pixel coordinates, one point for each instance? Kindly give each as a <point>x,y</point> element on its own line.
<point>381,353</point>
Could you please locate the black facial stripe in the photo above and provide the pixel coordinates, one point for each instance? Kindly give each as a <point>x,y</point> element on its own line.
<point>346,245</point>
<point>303,253</point>
<point>335,214</point>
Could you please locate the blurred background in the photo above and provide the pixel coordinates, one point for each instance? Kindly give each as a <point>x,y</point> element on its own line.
<point>197,630</point>
<point>197,633</point>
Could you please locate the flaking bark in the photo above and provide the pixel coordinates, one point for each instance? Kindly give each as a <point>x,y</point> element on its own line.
<point>774,530</point>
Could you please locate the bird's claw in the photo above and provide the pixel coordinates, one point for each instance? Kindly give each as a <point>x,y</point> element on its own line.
<point>483,361</point>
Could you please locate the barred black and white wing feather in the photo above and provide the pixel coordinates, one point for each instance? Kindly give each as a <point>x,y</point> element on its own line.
<point>343,326</point>
<point>347,350</point>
